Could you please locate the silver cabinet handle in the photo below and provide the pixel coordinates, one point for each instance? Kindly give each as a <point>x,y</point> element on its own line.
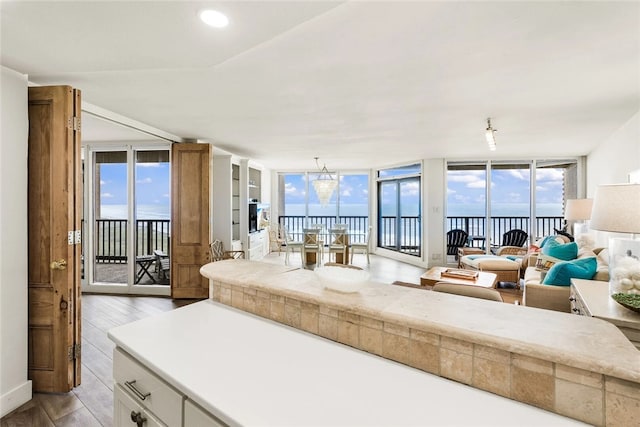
<point>131,386</point>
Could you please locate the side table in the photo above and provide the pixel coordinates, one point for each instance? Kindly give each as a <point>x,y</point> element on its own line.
<point>591,298</point>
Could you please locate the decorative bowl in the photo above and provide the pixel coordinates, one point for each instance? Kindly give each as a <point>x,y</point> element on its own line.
<point>342,279</point>
<point>632,302</point>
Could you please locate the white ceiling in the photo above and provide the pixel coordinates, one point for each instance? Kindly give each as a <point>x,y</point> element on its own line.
<point>359,84</point>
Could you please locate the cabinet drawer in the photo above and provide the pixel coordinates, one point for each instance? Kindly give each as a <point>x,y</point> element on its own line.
<point>147,389</point>
<point>125,409</point>
<point>195,416</point>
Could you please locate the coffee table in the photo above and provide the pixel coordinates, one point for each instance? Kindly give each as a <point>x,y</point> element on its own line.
<point>432,276</point>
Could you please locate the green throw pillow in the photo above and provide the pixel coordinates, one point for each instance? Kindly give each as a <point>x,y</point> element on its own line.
<point>562,273</point>
<point>566,251</point>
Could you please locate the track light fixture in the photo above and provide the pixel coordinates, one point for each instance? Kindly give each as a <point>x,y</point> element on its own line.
<point>491,140</point>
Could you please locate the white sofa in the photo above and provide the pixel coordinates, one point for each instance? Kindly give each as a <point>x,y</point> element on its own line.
<point>557,297</point>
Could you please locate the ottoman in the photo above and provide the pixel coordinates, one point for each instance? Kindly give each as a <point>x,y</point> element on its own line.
<point>506,269</point>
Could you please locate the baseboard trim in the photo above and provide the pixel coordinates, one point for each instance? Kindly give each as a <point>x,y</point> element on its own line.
<point>15,398</point>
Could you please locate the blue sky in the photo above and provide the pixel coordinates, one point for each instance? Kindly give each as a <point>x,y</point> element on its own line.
<point>354,189</point>
<point>508,187</point>
<point>152,183</point>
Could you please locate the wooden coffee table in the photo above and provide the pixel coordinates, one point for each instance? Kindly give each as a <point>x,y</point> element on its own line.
<point>432,276</point>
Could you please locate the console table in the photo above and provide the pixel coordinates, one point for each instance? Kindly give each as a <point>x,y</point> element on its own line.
<point>591,298</point>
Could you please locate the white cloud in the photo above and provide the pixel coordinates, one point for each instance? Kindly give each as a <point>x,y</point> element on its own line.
<point>477,184</point>
<point>521,174</point>
<point>289,188</point>
<point>346,192</point>
<point>451,191</point>
<point>514,197</point>
<point>541,188</point>
<point>411,189</point>
<point>166,195</point>
<point>148,165</point>
<point>102,182</point>
<point>146,180</point>
<point>549,175</point>
<point>106,195</point>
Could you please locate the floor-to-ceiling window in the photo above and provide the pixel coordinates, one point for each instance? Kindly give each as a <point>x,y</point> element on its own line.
<point>299,205</point>
<point>489,198</point>
<point>127,217</point>
<point>399,209</point>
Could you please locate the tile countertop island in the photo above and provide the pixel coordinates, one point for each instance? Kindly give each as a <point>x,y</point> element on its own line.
<point>249,371</point>
<point>580,367</point>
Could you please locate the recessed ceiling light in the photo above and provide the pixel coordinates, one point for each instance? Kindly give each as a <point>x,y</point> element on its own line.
<point>214,18</point>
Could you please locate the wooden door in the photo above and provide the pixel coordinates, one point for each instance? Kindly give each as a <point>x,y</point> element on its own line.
<point>55,197</point>
<point>190,165</point>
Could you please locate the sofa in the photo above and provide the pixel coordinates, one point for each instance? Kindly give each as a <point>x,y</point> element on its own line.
<point>555,297</point>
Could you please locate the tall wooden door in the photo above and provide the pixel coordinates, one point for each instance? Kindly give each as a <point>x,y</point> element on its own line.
<point>55,198</point>
<point>190,165</point>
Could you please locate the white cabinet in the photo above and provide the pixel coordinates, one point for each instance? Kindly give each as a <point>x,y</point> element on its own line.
<point>194,416</point>
<point>257,240</point>
<point>128,412</point>
<point>147,391</point>
<point>142,398</point>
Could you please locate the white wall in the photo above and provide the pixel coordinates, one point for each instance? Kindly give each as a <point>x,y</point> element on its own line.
<point>15,389</point>
<point>614,158</point>
<point>611,162</point>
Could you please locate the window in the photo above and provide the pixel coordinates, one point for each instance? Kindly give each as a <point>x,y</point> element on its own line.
<point>299,206</point>
<point>399,209</point>
<point>527,195</point>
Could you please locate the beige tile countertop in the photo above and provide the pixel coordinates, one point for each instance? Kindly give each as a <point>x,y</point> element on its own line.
<point>577,341</point>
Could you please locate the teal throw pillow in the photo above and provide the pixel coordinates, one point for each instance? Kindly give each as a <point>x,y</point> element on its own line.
<point>562,273</point>
<point>547,240</point>
<point>566,251</point>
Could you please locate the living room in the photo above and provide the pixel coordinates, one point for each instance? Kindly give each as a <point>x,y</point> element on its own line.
<point>583,105</point>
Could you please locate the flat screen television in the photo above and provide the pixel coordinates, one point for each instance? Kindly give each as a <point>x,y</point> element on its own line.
<point>253,217</point>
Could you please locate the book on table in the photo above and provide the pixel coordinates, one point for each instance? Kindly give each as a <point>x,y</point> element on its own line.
<point>456,273</point>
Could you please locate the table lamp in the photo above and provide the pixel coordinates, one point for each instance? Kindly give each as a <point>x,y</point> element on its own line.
<point>578,210</point>
<point>616,208</point>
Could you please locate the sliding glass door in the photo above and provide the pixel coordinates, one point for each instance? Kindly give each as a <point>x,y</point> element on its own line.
<point>127,214</point>
<point>509,200</point>
<point>487,199</point>
<point>399,210</point>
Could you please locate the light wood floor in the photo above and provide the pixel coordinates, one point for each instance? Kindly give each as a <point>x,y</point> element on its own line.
<point>91,404</point>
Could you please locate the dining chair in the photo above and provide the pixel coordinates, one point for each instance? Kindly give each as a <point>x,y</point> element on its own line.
<point>311,242</point>
<point>362,246</point>
<point>290,246</point>
<point>218,253</point>
<point>338,241</point>
<point>276,242</point>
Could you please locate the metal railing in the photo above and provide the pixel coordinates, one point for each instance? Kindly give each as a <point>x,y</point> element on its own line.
<point>408,238</point>
<point>404,238</point>
<point>475,226</point>
<point>294,224</point>
<point>111,239</point>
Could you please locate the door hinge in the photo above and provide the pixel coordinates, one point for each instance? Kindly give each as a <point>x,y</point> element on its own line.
<point>74,351</point>
<point>74,237</point>
<point>74,123</point>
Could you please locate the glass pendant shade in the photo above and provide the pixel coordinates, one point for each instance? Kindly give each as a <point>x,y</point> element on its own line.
<point>324,189</point>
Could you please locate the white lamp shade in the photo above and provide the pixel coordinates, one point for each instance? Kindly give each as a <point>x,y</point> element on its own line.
<point>578,209</point>
<point>616,208</point>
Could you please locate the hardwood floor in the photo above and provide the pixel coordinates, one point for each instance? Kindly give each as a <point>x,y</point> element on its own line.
<point>91,404</point>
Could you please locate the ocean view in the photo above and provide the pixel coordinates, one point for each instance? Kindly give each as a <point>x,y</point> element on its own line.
<point>158,211</point>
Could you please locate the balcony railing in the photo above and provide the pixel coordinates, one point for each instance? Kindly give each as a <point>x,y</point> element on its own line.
<point>294,224</point>
<point>112,240</point>
<point>408,241</point>
<point>475,226</point>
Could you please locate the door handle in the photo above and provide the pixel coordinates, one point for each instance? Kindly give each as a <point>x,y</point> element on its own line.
<point>61,264</point>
